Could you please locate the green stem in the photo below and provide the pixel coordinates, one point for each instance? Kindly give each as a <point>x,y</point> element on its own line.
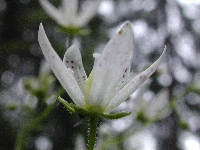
<point>42,116</point>
<point>70,40</point>
<point>21,137</point>
<point>92,131</point>
<point>28,126</point>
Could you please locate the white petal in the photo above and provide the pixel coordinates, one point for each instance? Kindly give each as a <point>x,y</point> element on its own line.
<point>52,11</point>
<point>60,70</point>
<point>112,66</point>
<point>134,84</point>
<point>73,60</point>
<point>69,9</point>
<point>87,12</point>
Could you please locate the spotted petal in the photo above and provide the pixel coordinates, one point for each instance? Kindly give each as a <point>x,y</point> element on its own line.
<point>111,67</point>
<point>62,73</point>
<point>73,60</point>
<point>132,86</point>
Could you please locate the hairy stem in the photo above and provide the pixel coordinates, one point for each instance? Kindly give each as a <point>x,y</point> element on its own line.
<point>92,132</point>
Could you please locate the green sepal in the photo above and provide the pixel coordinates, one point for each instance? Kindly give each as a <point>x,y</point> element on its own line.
<point>67,105</point>
<point>73,31</point>
<point>83,112</point>
<point>116,115</point>
<point>74,109</point>
<point>79,111</point>
<point>142,118</point>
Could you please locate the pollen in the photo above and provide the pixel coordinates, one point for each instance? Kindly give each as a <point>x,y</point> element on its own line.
<point>72,61</point>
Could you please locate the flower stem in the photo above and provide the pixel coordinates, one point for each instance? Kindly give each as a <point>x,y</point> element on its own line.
<point>92,131</point>
<point>29,125</point>
<point>70,40</point>
<point>22,137</point>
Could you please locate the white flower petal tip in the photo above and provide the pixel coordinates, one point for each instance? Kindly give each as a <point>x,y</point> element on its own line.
<point>126,29</point>
<point>41,27</point>
<point>72,54</point>
<point>73,60</point>
<point>127,25</point>
<point>149,71</point>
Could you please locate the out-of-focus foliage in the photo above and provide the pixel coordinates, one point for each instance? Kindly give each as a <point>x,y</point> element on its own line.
<point>156,23</point>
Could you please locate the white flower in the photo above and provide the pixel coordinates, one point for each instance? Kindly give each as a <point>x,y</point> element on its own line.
<point>110,83</point>
<point>67,14</point>
<point>153,107</point>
